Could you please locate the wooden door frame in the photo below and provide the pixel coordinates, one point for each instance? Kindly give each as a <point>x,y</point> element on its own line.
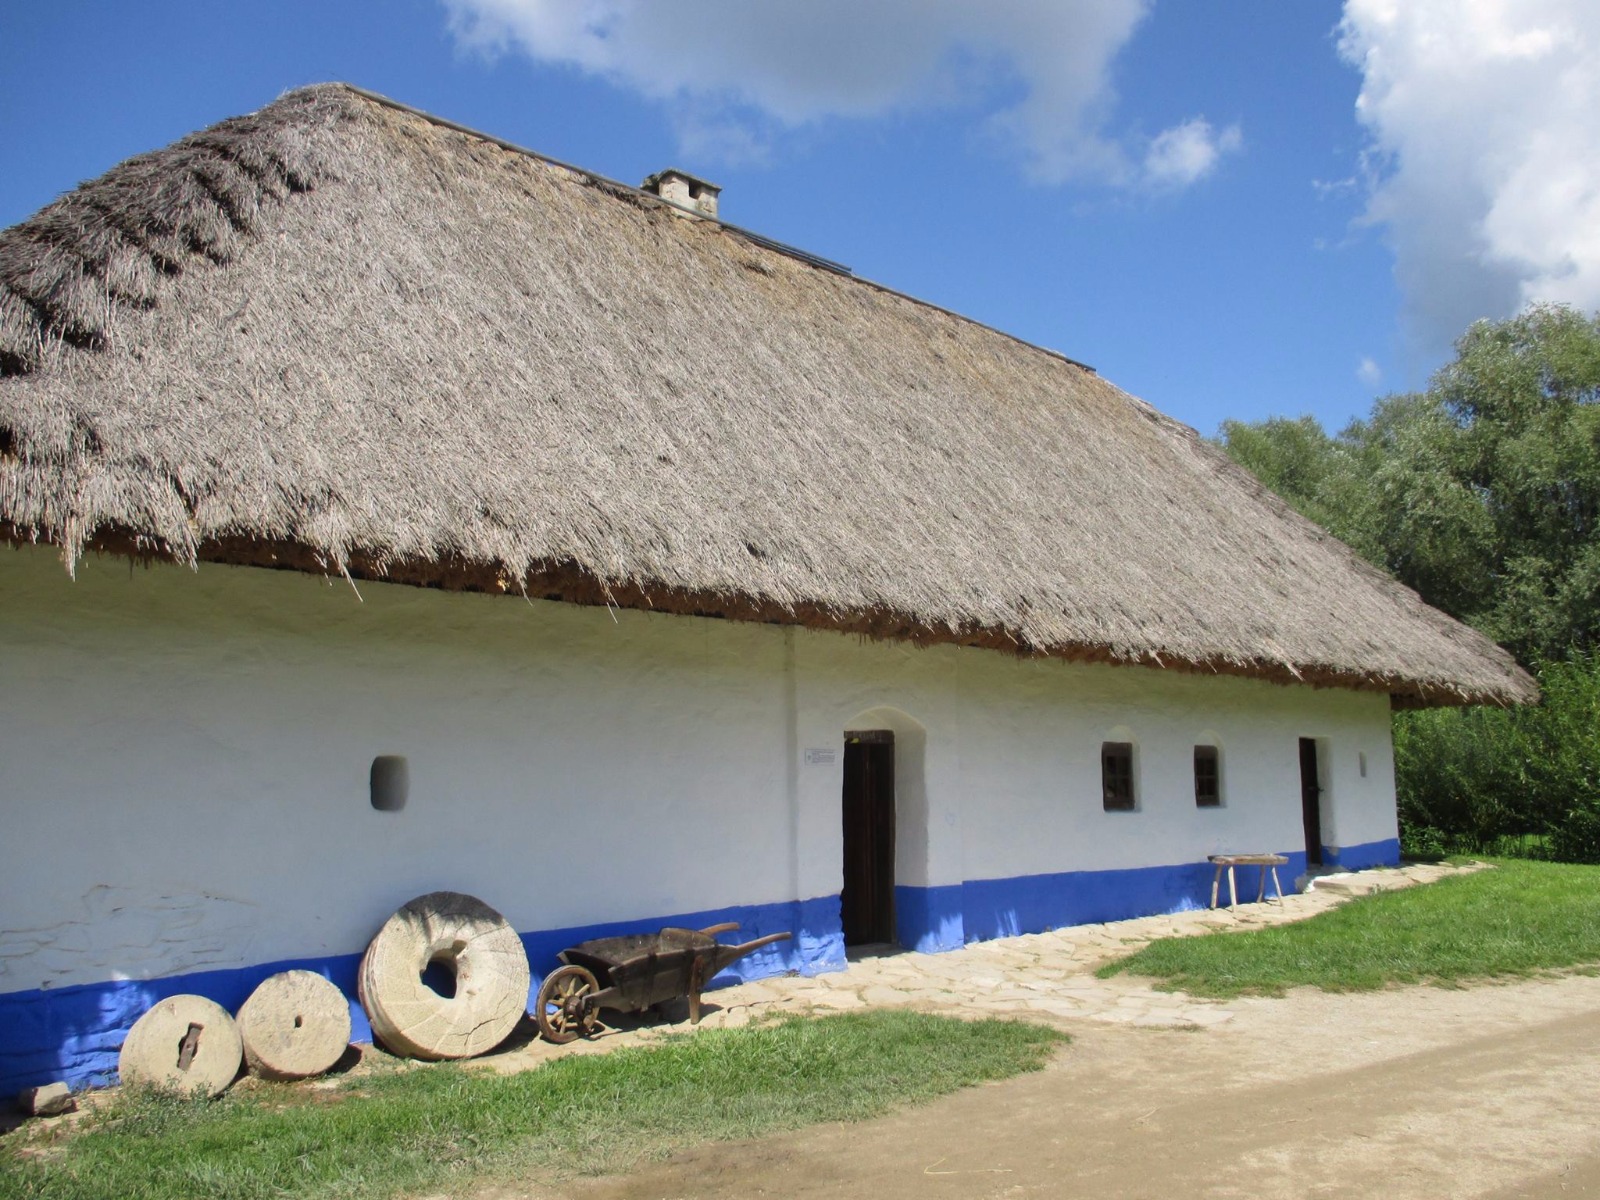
<point>1311,799</point>
<point>881,857</point>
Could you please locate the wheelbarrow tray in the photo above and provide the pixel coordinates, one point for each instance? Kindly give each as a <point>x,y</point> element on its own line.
<point>631,973</point>
<point>638,970</point>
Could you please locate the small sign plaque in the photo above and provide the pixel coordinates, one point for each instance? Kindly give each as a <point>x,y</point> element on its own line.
<point>817,757</point>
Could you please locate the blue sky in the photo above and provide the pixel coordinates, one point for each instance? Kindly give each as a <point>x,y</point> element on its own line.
<point>1233,209</point>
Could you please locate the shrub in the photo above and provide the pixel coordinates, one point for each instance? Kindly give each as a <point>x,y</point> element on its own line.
<point>1470,779</point>
<point>1460,776</point>
<point>1576,836</point>
<point>1422,843</point>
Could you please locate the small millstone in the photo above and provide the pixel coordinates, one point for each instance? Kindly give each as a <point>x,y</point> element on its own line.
<point>295,1025</point>
<point>183,1042</point>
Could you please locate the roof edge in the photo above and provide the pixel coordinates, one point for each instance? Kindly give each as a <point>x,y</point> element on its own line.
<point>570,583</point>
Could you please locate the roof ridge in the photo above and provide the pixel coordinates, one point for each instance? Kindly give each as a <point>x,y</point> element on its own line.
<point>650,198</point>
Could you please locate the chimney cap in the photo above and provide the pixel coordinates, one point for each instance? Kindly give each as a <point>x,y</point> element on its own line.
<point>653,183</point>
<point>685,192</point>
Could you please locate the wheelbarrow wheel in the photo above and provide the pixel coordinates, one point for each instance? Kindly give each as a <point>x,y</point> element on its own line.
<point>565,1009</point>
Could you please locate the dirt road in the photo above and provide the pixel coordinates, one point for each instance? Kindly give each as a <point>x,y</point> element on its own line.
<point>1492,1091</point>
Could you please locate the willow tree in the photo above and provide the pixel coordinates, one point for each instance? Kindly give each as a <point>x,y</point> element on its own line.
<point>1482,492</point>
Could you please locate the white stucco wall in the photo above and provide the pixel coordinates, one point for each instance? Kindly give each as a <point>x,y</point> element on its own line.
<point>184,761</point>
<point>1040,729</point>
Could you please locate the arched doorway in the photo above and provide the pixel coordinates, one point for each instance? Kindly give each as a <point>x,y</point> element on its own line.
<point>885,828</point>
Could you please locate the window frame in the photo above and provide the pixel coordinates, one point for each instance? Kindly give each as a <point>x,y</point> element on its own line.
<point>1117,790</point>
<point>1210,754</point>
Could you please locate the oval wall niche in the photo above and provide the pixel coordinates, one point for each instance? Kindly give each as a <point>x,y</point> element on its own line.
<point>390,782</point>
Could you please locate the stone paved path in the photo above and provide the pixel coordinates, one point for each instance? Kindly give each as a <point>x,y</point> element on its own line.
<point>1044,976</point>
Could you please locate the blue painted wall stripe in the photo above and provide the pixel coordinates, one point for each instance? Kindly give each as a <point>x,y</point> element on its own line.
<point>1359,858</point>
<point>74,1033</point>
<point>930,919</point>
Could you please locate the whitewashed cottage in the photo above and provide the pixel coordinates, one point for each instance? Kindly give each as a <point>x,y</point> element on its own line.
<point>393,509</point>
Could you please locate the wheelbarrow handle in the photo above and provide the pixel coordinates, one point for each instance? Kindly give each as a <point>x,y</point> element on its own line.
<point>747,947</point>
<point>725,927</point>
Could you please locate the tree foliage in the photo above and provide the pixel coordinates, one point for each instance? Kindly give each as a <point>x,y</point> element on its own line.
<point>1483,494</point>
<point>1467,778</point>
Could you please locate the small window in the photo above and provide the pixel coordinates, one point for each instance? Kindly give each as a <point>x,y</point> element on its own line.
<point>1207,778</point>
<point>1116,776</point>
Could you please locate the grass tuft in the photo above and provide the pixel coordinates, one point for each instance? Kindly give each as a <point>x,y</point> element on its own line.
<point>1520,918</point>
<point>407,1130</point>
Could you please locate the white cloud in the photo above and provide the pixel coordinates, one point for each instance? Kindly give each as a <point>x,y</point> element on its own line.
<point>1369,372</point>
<point>1038,75</point>
<point>1484,117</point>
<point>1188,152</point>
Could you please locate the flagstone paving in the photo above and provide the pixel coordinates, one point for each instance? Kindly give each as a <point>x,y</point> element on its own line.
<point>1048,976</point>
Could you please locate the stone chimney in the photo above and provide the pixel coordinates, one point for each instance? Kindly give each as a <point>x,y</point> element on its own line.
<point>684,190</point>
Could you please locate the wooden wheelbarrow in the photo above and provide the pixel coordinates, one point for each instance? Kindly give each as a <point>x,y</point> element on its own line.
<point>632,973</point>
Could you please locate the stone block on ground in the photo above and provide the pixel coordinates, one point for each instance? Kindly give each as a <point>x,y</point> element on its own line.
<point>48,1100</point>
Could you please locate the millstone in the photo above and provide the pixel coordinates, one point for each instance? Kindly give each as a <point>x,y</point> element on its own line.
<point>295,1025</point>
<point>457,936</point>
<point>183,1042</point>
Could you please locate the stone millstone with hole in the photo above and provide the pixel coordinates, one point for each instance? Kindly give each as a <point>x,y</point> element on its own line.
<point>295,1025</point>
<point>184,1042</point>
<point>458,936</point>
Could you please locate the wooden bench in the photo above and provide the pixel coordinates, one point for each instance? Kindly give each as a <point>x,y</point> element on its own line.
<point>1227,862</point>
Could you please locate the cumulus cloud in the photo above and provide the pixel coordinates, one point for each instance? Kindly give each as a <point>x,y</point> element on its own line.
<point>1189,152</point>
<point>1037,75</point>
<point>1484,117</point>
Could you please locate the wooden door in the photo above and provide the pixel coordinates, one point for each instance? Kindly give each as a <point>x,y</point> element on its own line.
<point>1311,801</point>
<point>867,902</point>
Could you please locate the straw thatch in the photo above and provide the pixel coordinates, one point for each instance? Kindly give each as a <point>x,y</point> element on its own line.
<point>338,335</point>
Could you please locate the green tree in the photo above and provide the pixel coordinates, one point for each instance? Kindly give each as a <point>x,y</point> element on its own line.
<point>1525,398</point>
<point>1482,493</point>
<point>1477,774</point>
<point>1326,479</point>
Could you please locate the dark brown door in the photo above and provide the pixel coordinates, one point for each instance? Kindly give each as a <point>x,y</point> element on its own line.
<point>867,903</point>
<point>1311,801</point>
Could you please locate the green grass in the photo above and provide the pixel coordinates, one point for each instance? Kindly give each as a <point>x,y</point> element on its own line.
<point>1520,918</point>
<point>406,1130</point>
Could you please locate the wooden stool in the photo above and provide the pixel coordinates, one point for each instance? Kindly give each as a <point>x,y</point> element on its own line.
<point>1267,862</point>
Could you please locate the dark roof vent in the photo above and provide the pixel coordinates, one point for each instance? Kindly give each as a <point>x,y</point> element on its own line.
<point>687,191</point>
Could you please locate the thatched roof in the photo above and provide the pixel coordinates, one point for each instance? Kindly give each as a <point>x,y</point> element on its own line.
<point>338,335</point>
